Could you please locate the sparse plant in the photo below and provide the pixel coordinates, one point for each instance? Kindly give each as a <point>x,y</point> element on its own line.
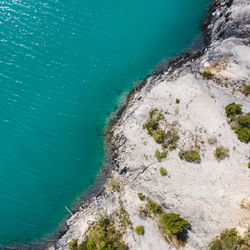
<point>114,186</point>
<point>154,207</point>
<point>160,155</point>
<point>207,74</point>
<point>221,153</point>
<point>142,166</point>
<point>248,164</point>
<point>139,230</point>
<point>175,223</point>
<point>191,155</point>
<point>177,100</point>
<point>163,171</point>
<point>141,196</point>
<point>212,140</point>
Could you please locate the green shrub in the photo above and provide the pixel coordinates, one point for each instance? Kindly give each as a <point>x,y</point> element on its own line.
<point>154,207</point>
<point>139,230</point>
<point>160,155</point>
<point>73,244</point>
<point>246,90</point>
<point>233,109</point>
<point>175,223</point>
<point>163,171</point>
<point>190,155</point>
<point>227,240</point>
<point>248,164</point>
<point>177,100</point>
<point>159,135</point>
<point>244,134</point>
<point>221,153</point>
<point>141,196</point>
<point>244,120</point>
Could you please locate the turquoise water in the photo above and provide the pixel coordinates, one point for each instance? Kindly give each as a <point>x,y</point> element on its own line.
<point>63,67</point>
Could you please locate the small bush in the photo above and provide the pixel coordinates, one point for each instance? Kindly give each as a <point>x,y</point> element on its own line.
<point>190,155</point>
<point>177,100</point>
<point>139,230</point>
<point>154,207</point>
<point>160,155</point>
<point>246,90</point>
<point>221,153</point>
<point>159,135</point>
<point>244,134</point>
<point>227,240</point>
<point>175,223</point>
<point>244,120</point>
<point>73,244</point>
<point>114,186</point>
<point>233,109</point>
<point>248,164</point>
<point>141,196</point>
<point>163,171</point>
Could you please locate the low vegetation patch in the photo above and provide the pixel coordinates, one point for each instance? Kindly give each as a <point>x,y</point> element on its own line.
<point>175,224</point>
<point>139,230</point>
<point>168,140</point>
<point>114,186</point>
<point>229,240</point>
<point>102,234</point>
<point>190,155</point>
<point>177,100</point>
<point>239,122</point>
<point>173,227</point>
<point>154,207</point>
<point>221,153</point>
<point>73,244</point>
<point>163,171</point>
<point>160,155</point>
<point>246,90</point>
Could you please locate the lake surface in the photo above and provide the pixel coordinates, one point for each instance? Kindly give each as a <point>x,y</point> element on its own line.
<point>63,66</point>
